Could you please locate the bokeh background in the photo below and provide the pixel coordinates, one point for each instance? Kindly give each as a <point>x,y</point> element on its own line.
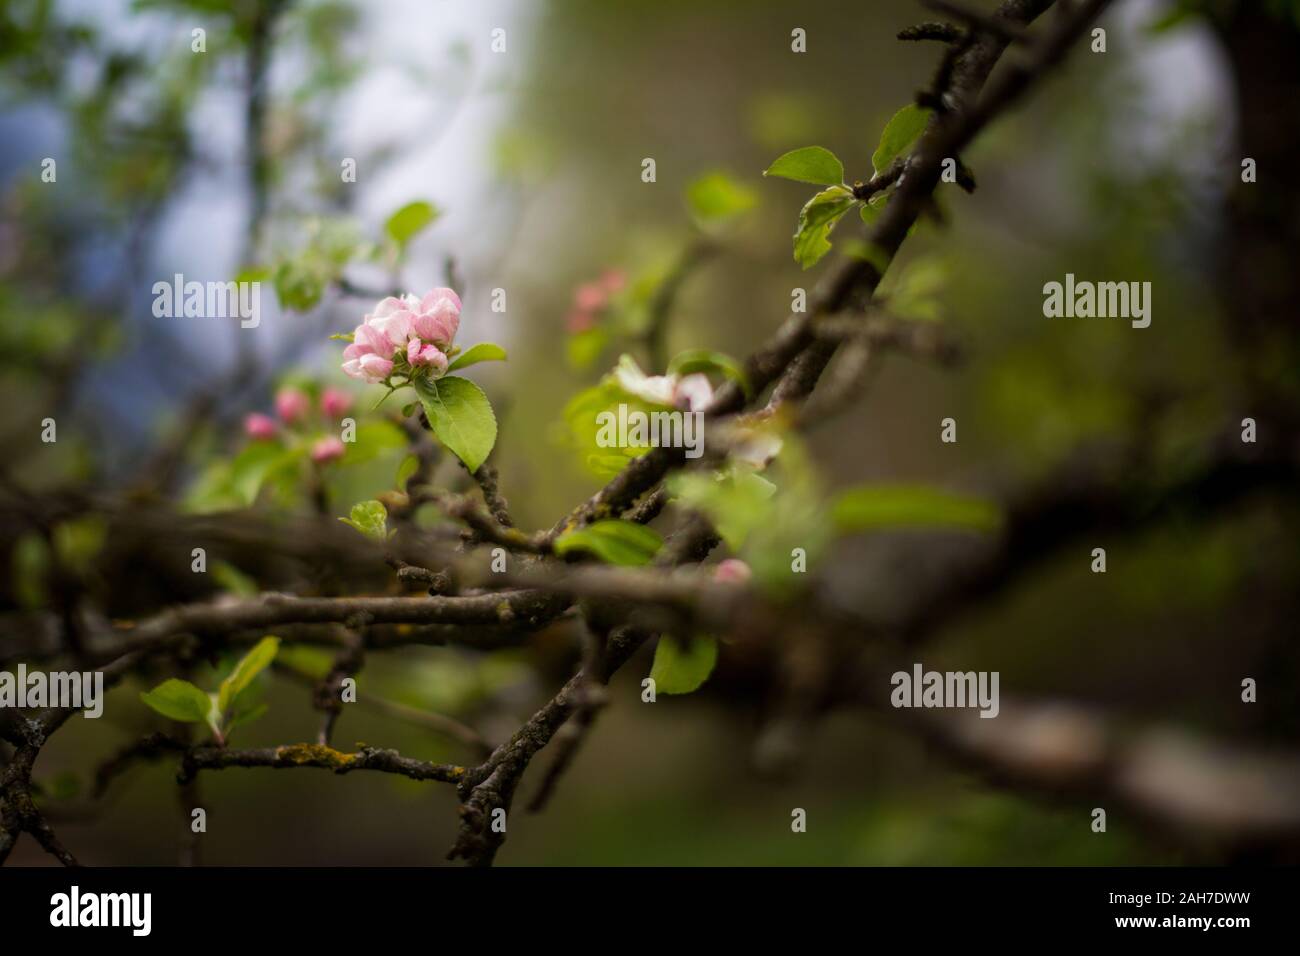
<point>1123,166</point>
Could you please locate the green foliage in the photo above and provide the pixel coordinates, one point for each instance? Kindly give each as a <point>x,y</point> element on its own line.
<point>250,665</point>
<point>680,668</point>
<point>370,518</point>
<point>460,416</point>
<point>482,352</point>
<point>582,428</point>
<point>231,706</point>
<point>872,507</point>
<point>816,220</point>
<point>811,164</point>
<point>614,541</point>
<point>180,700</point>
<point>230,578</point>
<point>301,279</point>
<point>716,199</point>
<point>407,222</point>
<point>900,132</point>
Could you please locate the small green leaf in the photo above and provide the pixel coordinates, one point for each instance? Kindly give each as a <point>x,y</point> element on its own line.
<point>230,578</point>
<point>409,466</point>
<point>811,164</point>
<point>706,360</point>
<point>370,518</point>
<point>818,216</point>
<point>483,352</point>
<point>900,132</point>
<point>461,416</point>
<point>679,669</point>
<point>178,699</point>
<point>614,541</point>
<point>315,662</point>
<point>249,666</point>
<point>871,507</point>
<point>408,221</point>
<point>717,198</point>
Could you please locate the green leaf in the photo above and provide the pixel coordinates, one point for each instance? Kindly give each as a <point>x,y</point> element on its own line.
<point>870,507</point>
<point>818,216</point>
<point>404,224</point>
<point>483,352</point>
<point>461,416</point>
<point>706,360</point>
<point>370,518</point>
<point>811,164</point>
<point>230,578</point>
<point>900,132</point>
<point>679,669</point>
<point>315,662</point>
<point>585,347</point>
<point>249,666</point>
<point>178,699</point>
<point>614,541</point>
<point>738,502</point>
<point>716,198</point>
<point>409,466</point>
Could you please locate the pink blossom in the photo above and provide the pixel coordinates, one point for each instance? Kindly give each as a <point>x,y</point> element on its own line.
<point>291,404</point>
<point>732,571</point>
<point>370,356</point>
<point>392,319</point>
<point>590,297</point>
<point>417,353</point>
<point>259,427</point>
<point>327,449</point>
<point>334,402</point>
<point>437,317</point>
<point>613,280</point>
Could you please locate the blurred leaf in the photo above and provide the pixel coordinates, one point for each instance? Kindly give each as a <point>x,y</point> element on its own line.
<point>314,662</point>
<point>737,501</point>
<point>178,700</point>
<point>408,221</point>
<point>614,541</point>
<point>585,348</point>
<point>230,578</point>
<point>370,518</point>
<point>31,565</point>
<point>460,416</point>
<point>483,352</point>
<point>818,216</point>
<point>900,132</point>
<point>717,198</point>
<point>869,507</point>
<point>77,542</point>
<point>811,164</point>
<point>409,466</point>
<point>249,666</point>
<point>681,668</point>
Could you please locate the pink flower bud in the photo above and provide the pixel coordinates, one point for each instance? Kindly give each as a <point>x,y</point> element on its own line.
<point>291,404</point>
<point>732,571</point>
<point>334,402</point>
<point>327,449</point>
<point>590,297</point>
<point>417,353</point>
<point>613,280</point>
<point>259,427</point>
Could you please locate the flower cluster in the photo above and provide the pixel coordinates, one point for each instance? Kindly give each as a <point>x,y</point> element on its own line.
<point>405,336</point>
<point>293,408</point>
<point>592,298</point>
